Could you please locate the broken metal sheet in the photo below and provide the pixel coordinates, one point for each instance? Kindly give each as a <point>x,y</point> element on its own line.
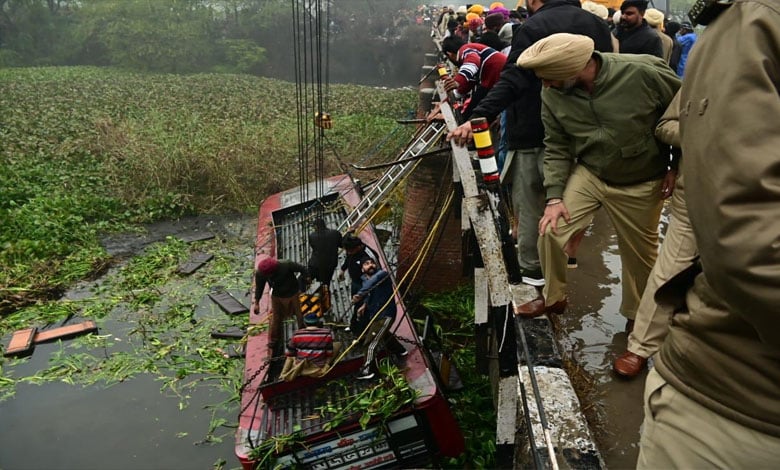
<point>195,261</point>
<point>228,303</point>
<point>195,236</point>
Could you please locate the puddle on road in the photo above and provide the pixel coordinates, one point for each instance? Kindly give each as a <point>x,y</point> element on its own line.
<point>592,333</point>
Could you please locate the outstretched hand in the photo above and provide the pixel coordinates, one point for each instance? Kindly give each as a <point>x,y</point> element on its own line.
<point>462,135</point>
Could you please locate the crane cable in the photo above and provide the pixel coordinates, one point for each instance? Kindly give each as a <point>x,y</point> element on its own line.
<point>310,24</point>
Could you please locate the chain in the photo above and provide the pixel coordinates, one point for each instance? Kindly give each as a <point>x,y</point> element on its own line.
<point>251,379</point>
<point>401,339</point>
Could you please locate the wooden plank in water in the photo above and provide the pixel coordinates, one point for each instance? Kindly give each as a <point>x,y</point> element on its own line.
<point>195,236</point>
<point>230,333</point>
<point>195,261</point>
<point>228,303</point>
<point>21,342</point>
<point>65,332</point>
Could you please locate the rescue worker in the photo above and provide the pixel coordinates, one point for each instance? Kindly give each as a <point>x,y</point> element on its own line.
<point>599,112</point>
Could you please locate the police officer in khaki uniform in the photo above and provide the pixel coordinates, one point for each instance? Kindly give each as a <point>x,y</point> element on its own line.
<point>713,399</point>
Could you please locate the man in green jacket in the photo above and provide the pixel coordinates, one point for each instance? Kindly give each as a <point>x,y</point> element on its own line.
<point>599,112</point>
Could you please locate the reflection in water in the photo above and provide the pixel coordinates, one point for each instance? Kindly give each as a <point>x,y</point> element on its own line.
<point>138,423</point>
<point>592,332</point>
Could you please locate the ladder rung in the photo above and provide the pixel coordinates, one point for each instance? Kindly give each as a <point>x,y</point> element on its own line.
<point>390,179</point>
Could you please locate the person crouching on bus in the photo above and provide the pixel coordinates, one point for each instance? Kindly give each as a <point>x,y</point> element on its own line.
<point>378,312</point>
<point>285,302</point>
<point>310,351</point>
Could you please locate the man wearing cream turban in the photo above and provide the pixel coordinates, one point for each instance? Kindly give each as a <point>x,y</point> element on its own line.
<point>560,57</point>
<point>518,93</point>
<point>599,112</point>
<point>655,19</point>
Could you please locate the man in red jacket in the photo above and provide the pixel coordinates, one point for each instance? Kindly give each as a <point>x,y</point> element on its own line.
<point>479,69</point>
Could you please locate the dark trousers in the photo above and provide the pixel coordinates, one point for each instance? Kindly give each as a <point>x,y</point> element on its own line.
<point>379,334</point>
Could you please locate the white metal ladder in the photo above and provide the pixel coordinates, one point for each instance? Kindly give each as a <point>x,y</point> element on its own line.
<point>394,174</point>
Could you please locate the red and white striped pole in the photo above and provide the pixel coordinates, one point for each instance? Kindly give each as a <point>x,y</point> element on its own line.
<point>487,156</point>
<point>454,105</point>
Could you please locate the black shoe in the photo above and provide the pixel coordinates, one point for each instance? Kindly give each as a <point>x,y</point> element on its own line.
<point>571,263</point>
<point>365,374</point>
<point>533,277</point>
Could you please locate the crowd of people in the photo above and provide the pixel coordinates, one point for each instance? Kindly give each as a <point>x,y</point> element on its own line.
<point>608,110</point>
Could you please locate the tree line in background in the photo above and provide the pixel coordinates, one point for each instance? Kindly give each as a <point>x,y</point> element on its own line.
<point>371,42</point>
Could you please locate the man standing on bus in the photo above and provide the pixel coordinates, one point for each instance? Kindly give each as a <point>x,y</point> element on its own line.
<point>285,302</point>
<point>378,311</point>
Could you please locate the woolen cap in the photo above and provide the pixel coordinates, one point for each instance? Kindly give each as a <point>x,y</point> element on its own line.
<point>311,319</point>
<point>494,20</point>
<point>559,56</point>
<point>267,266</point>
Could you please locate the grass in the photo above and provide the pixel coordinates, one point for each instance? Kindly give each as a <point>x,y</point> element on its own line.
<point>473,406</point>
<point>86,150</point>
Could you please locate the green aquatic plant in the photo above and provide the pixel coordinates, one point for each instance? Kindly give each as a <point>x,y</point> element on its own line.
<point>378,401</point>
<point>88,150</point>
<point>473,404</point>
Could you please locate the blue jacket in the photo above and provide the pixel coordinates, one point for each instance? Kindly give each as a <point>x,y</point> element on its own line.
<point>686,43</point>
<point>377,293</point>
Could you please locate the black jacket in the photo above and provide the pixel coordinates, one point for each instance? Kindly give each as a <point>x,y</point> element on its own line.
<point>518,90</point>
<point>642,40</point>
<point>282,281</point>
<point>353,266</point>
<point>674,60</point>
<point>324,257</point>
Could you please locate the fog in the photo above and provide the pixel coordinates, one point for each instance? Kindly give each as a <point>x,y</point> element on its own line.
<point>344,41</point>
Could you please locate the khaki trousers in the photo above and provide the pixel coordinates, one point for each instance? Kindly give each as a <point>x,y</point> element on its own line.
<point>677,253</point>
<point>680,433</point>
<point>281,308</point>
<point>634,211</point>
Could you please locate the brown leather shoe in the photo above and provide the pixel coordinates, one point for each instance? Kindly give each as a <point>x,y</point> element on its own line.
<point>534,308</point>
<point>629,365</point>
<point>558,307</point>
